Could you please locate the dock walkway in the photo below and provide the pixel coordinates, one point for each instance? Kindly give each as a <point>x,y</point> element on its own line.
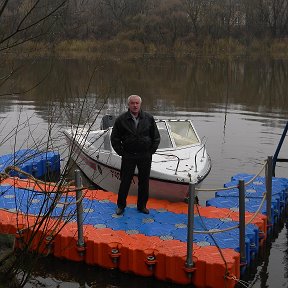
<point>43,216</point>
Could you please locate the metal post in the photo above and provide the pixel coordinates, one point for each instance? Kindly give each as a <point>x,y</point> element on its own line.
<point>268,181</point>
<point>241,188</point>
<point>78,182</point>
<point>278,148</point>
<point>189,259</point>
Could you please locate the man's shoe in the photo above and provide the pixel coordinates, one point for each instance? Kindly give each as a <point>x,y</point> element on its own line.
<point>144,210</point>
<point>120,211</point>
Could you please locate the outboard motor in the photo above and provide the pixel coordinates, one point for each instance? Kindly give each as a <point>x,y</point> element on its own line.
<point>107,121</point>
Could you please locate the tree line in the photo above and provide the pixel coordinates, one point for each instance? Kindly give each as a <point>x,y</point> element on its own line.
<point>157,22</point>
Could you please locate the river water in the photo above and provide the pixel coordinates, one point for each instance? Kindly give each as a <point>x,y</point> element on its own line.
<point>239,105</point>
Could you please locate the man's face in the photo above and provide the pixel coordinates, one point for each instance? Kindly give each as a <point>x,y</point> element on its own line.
<point>134,105</point>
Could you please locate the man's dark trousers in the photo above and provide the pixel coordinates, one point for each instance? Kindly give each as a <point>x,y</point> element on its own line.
<point>128,166</point>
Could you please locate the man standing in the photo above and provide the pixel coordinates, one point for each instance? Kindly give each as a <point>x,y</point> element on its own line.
<point>135,137</point>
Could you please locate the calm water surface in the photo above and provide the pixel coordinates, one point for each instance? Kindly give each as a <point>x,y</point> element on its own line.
<point>240,106</point>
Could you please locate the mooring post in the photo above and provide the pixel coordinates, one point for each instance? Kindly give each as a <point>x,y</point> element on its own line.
<point>78,182</point>
<point>275,157</point>
<point>191,201</point>
<point>241,188</point>
<point>268,182</point>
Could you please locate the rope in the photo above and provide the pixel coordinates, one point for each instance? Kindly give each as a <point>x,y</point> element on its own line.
<point>241,282</point>
<point>214,231</point>
<point>60,190</point>
<point>38,182</point>
<point>31,177</point>
<point>232,187</point>
<point>258,210</point>
<point>217,246</point>
<point>67,190</point>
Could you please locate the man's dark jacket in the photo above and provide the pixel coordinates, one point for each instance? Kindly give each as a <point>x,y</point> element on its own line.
<point>131,142</point>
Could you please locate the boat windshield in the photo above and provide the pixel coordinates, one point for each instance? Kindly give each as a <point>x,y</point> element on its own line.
<point>165,141</point>
<point>183,133</point>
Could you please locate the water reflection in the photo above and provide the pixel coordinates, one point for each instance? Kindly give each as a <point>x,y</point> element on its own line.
<point>240,105</point>
<point>270,269</point>
<point>53,272</point>
<point>199,85</point>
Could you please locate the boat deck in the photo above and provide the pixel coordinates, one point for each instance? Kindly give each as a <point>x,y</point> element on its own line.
<point>147,245</point>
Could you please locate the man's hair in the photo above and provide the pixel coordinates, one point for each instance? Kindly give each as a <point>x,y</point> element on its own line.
<point>129,98</point>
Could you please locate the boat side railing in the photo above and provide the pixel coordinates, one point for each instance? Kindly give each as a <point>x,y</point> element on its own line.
<point>202,148</point>
<point>171,155</point>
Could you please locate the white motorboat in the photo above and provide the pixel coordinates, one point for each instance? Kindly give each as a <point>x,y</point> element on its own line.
<point>181,158</point>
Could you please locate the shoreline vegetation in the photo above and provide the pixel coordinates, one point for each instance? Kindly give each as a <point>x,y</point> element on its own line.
<point>130,50</point>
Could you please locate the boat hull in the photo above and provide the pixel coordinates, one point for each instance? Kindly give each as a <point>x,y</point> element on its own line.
<point>108,178</point>
<point>181,158</point>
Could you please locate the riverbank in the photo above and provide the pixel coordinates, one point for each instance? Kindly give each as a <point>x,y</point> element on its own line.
<point>6,260</point>
<point>125,49</point>
<point>6,244</point>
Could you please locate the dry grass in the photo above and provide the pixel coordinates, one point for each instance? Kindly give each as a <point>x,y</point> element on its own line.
<point>92,49</point>
<point>279,48</point>
<point>124,49</point>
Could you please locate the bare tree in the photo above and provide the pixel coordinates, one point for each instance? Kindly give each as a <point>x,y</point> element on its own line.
<point>27,20</point>
<point>278,17</point>
<point>23,21</point>
<point>195,11</point>
<point>20,22</point>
